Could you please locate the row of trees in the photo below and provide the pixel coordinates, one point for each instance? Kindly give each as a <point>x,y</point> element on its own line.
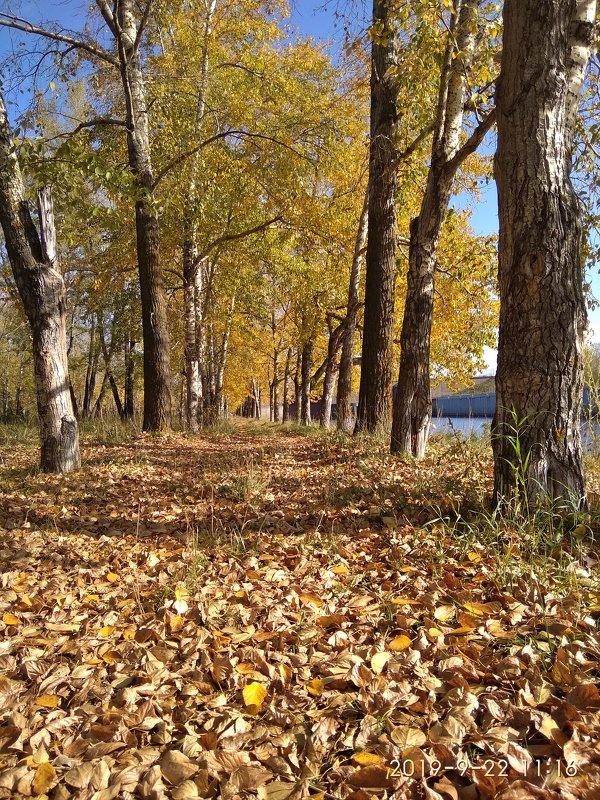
<point>242,160</point>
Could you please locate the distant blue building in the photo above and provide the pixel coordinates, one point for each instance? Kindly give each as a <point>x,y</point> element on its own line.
<point>484,405</point>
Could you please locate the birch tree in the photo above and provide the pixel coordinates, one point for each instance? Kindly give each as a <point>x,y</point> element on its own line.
<point>34,263</point>
<point>127,29</point>
<point>412,404</point>
<point>536,438</point>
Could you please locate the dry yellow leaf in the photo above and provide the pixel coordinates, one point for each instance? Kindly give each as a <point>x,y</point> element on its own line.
<point>254,694</point>
<point>367,758</point>
<point>400,643</point>
<point>106,630</point>
<point>311,597</point>
<point>474,557</point>
<point>48,701</point>
<point>176,622</point>
<point>10,619</point>
<point>406,601</point>
<point>45,778</point>
<point>340,570</point>
<point>111,657</point>
<point>379,660</point>
<point>112,577</point>
<point>435,632</point>
<point>315,687</point>
<point>444,613</point>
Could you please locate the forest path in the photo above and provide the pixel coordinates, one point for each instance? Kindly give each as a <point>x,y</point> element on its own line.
<point>264,612</point>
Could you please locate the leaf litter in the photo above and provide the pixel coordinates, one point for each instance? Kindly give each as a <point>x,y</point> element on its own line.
<point>271,616</point>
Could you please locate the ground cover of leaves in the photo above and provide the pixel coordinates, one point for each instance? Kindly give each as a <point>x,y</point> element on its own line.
<point>268,614</point>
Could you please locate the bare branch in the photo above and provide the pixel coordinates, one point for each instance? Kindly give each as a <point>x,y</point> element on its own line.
<point>142,25</point>
<point>240,134</point>
<point>229,237</point>
<point>89,124</point>
<point>473,142</point>
<point>10,21</point>
<point>109,17</point>
<point>415,143</point>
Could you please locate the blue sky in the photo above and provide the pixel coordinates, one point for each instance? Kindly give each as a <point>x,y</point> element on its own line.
<point>309,18</point>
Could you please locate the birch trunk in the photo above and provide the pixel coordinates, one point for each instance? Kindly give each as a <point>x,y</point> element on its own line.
<point>192,367</point>
<point>374,403</point>
<point>157,379</point>
<point>345,420</point>
<point>307,351</point>
<point>412,405</point>
<point>192,278</point>
<point>547,44</point>
<point>41,287</point>
<point>331,372</point>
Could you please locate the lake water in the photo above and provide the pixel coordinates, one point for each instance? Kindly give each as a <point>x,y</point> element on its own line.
<point>479,426</point>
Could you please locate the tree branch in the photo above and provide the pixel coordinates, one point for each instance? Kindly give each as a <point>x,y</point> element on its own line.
<point>229,237</point>
<point>189,153</point>
<point>415,143</point>
<point>109,17</point>
<point>10,21</point>
<point>142,25</point>
<point>90,124</point>
<point>473,142</point>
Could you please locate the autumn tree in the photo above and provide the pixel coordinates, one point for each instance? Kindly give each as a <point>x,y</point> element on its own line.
<point>127,28</point>
<point>380,276</point>
<point>412,404</point>
<point>33,258</point>
<point>536,439</point>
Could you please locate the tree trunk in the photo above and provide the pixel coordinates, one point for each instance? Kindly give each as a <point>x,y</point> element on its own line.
<point>374,403</point>
<point>298,385</point>
<point>536,438</point>
<point>330,371</point>
<point>42,290</point>
<point>286,386</point>
<point>192,367</point>
<point>307,351</point>
<point>412,404</point>
<point>157,379</point>
<point>90,375</point>
<point>101,394</point>
<point>129,388</point>
<point>328,384</point>
<point>192,278</point>
<point>222,360</point>
<point>107,353</point>
<point>345,419</point>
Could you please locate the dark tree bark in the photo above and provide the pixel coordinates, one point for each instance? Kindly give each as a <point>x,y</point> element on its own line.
<point>129,388</point>
<point>107,353</point>
<point>412,405</point>
<point>34,264</point>
<point>345,420</point>
<point>90,375</point>
<point>547,44</point>
<point>286,386</point>
<point>374,404</point>
<point>307,352</point>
